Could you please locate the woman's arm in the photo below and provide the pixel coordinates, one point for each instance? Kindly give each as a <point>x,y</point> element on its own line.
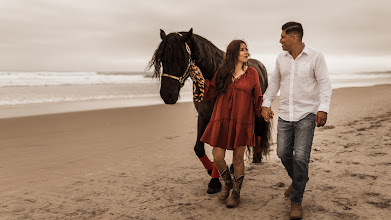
<point>257,93</point>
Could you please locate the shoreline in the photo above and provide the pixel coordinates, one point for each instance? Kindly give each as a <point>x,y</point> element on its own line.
<point>36,109</point>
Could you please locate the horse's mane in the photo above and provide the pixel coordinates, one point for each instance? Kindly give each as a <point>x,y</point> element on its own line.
<point>157,57</point>
<point>206,55</point>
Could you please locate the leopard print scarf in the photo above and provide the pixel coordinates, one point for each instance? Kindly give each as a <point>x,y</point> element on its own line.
<point>198,83</point>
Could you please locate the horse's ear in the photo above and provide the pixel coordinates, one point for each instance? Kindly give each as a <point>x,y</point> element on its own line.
<point>162,34</point>
<point>188,35</point>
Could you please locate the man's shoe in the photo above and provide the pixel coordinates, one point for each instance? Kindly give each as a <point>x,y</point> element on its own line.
<point>288,191</point>
<point>296,211</point>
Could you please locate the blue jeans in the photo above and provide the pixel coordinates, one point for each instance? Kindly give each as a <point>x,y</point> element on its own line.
<point>294,142</point>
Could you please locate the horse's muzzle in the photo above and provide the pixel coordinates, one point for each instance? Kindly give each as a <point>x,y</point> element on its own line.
<point>169,98</point>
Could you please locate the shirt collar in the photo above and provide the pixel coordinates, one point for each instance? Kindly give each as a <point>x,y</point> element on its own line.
<point>305,50</point>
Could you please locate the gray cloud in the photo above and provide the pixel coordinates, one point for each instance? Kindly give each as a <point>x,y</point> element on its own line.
<point>101,35</point>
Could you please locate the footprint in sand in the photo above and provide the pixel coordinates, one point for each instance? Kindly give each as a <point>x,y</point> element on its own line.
<point>123,175</point>
<point>369,118</point>
<point>383,204</point>
<point>345,204</point>
<point>386,140</point>
<point>171,137</point>
<point>30,200</point>
<point>375,126</point>
<point>327,127</point>
<point>280,184</point>
<point>343,215</point>
<point>377,154</point>
<point>326,188</point>
<point>362,129</point>
<point>377,200</point>
<point>348,145</point>
<point>384,164</point>
<point>363,176</point>
<point>352,123</point>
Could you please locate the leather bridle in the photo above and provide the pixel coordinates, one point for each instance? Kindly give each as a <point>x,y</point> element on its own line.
<point>186,74</point>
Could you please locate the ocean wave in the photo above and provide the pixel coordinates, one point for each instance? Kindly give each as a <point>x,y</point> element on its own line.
<point>10,79</point>
<point>4,102</point>
<point>358,76</point>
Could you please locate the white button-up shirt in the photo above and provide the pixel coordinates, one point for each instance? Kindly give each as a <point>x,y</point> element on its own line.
<point>303,83</point>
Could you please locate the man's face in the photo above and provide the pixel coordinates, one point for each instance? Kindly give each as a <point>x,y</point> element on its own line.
<point>286,41</point>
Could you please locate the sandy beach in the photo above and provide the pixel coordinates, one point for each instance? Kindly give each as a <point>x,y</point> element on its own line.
<point>139,163</point>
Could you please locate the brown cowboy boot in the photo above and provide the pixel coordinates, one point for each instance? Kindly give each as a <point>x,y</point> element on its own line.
<point>234,199</point>
<point>226,176</point>
<point>296,211</point>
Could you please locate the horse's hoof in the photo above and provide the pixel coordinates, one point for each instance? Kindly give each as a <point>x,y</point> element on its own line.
<point>214,186</point>
<point>231,168</point>
<point>257,160</point>
<point>257,157</point>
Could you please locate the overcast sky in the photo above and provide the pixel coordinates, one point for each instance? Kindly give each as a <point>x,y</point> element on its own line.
<point>121,35</point>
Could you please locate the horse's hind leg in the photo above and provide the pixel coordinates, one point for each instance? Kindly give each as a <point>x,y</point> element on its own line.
<point>214,185</point>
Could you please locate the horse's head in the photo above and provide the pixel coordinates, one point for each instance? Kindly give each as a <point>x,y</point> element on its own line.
<point>174,55</point>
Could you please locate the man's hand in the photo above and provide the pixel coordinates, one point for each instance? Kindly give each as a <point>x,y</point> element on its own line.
<point>267,114</point>
<point>321,118</point>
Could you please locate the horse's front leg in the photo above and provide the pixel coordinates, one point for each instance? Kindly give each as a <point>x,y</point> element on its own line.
<point>214,185</point>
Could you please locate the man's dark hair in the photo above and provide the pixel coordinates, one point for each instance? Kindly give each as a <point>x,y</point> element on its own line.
<point>293,27</point>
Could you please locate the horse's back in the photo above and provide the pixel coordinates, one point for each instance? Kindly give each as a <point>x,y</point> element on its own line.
<point>262,72</point>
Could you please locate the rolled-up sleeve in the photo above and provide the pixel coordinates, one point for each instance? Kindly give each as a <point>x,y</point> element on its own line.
<point>323,80</point>
<point>273,87</point>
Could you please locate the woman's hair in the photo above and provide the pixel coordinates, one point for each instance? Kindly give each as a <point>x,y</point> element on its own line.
<point>227,68</point>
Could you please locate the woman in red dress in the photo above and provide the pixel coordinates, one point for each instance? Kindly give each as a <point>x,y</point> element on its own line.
<point>238,98</point>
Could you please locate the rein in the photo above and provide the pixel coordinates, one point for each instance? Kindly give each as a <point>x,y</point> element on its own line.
<point>187,72</point>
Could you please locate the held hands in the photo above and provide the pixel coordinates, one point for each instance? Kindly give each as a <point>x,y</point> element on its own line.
<point>267,114</point>
<point>321,118</point>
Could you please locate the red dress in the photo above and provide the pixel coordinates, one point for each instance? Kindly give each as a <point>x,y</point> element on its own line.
<point>233,118</point>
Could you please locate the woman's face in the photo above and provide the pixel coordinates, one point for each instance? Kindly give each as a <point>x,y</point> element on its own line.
<point>243,53</point>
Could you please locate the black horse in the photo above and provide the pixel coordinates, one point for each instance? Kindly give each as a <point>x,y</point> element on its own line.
<point>174,54</point>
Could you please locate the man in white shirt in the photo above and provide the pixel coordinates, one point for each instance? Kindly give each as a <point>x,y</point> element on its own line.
<point>305,92</point>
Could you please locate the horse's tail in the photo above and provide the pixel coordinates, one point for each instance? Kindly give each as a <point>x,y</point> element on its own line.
<point>262,128</point>
<point>263,135</point>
